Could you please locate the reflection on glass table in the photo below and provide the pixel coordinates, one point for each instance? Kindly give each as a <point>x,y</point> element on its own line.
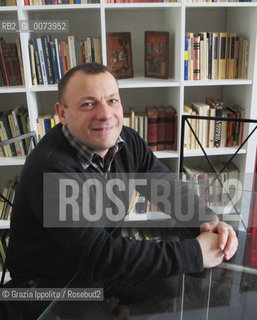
<point>228,291</point>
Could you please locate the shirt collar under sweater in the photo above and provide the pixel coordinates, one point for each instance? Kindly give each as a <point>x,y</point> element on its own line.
<point>88,157</point>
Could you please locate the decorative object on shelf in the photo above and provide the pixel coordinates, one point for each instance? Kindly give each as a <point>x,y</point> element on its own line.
<point>157,54</point>
<point>119,54</point>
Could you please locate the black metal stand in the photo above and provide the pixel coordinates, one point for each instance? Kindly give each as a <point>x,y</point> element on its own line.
<point>185,119</point>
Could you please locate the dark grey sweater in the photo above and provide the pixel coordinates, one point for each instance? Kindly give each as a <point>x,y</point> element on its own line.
<point>58,253</point>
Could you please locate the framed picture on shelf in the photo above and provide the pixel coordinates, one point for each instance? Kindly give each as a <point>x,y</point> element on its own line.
<point>119,54</point>
<point>156,54</point>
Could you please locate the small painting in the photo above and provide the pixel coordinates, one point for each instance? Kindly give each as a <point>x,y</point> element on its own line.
<point>119,54</point>
<point>157,54</point>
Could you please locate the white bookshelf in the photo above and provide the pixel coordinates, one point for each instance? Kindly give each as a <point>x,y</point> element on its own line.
<point>177,18</point>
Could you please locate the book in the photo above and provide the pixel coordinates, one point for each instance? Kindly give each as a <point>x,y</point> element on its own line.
<point>54,61</point>
<point>161,140</point>
<point>196,59</point>
<point>215,54</point>
<point>152,129</point>
<point>210,43</point>
<point>231,55</point>
<point>47,58</point>
<point>37,62</point>
<point>72,52</point>
<point>18,46</point>
<point>218,105</point>
<point>203,55</point>
<point>171,128</point>
<point>186,59</point>
<point>222,58</point>
<point>190,37</point>
<point>3,62</point>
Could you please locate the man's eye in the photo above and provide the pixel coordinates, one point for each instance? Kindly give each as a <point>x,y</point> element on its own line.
<point>113,100</point>
<point>87,104</point>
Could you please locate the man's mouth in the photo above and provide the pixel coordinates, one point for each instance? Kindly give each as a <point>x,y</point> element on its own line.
<point>103,129</point>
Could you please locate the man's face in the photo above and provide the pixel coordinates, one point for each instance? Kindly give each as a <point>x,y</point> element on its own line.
<point>93,112</point>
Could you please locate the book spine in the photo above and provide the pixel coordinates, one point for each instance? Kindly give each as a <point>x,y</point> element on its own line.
<point>54,62</point>
<point>49,70</point>
<point>42,60</point>
<point>186,59</point>
<point>196,57</point>
<point>18,46</point>
<point>37,62</point>
<point>215,45</point>
<point>9,134</point>
<point>2,49</point>
<point>161,128</point>
<point>218,126</point>
<point>152,128</point>
<point>222,55</point>
<point>209,35</point>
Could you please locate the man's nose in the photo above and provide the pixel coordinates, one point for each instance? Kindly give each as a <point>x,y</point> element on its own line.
<point>103,111</point>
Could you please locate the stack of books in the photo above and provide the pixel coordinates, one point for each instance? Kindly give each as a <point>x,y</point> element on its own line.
<point>47,2</point>
<point>7,2</point>
<point>216,55</point>
<point>9,193</point>
<point>50,60</point>
<point>11,66</point>
<point>45,123</point>
<point>157,126</point>
<point>213,133</point>
<point>14,123</point>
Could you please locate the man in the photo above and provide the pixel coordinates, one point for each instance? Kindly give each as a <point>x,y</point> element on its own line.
<point>92,139</point>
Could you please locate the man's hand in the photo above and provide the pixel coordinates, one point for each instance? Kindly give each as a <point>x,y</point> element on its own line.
<point>228,241</point>
<point>212,254</point>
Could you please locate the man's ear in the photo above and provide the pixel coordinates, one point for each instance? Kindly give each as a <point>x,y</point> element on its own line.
<point>60,110</point>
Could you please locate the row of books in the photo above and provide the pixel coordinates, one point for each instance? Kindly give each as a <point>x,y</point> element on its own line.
<point>50,60</point>
<point>213,133</point>
<point>14,123</point>
<point>7,2</point>
<point>46,123</point>
<point>139,1</point>
<point>156,125</point>
<point>216,192</point>
<point>47,2</point>
<point>4,240</point>
<point>8,192</point>
<point>216,55</point>
<point>11,66</point>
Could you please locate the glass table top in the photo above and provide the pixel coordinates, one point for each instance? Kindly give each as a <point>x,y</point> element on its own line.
<point>228,291</point>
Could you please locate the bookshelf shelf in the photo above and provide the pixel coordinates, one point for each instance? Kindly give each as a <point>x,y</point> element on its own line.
<point>142,82</point>
<point>213,152</point>
<point>8,8</point>
<point>4,224</point>
<point>44,88</point>
<point>12,161</point>
<point>166,154</point>
<point>221,5</point>
<point>12,89</point>
<point>226,82</point>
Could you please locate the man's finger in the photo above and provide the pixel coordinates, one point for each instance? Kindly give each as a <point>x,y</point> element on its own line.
<point>210,226</point>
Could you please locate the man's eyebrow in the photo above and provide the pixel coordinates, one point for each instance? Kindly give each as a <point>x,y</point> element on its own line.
<point>112,95</point>
<point>85,98</point>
